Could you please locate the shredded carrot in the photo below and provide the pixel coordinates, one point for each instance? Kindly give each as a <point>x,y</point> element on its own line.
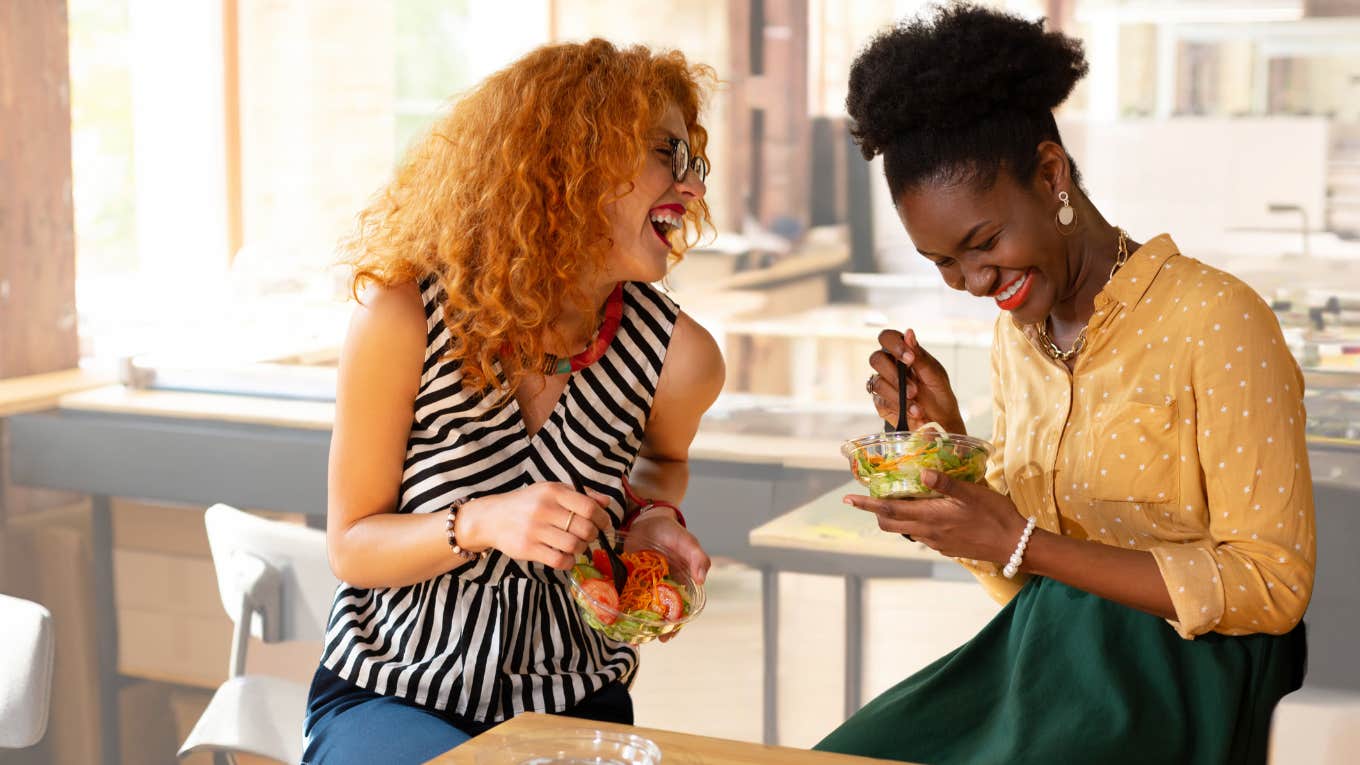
<point>639,592</point>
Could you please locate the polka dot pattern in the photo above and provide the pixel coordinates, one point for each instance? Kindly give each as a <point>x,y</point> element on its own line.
<point>1191,450</point>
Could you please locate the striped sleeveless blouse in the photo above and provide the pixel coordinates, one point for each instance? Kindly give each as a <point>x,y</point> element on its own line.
<point>495,637</point>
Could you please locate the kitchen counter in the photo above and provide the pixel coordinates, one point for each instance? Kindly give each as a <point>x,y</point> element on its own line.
<point>37,392</point>
<point>738,429</point>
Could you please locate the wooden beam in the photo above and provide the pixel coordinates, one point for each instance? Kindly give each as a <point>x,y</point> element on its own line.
<point>38,332</point>
<point>37,220</point>
<point>37,223</point>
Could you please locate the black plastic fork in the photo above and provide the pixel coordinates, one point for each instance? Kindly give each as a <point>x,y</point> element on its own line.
<point>618,571</point>
<point>903,372</point>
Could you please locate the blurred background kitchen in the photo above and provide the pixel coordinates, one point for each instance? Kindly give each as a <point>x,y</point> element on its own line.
<point>174,177</point>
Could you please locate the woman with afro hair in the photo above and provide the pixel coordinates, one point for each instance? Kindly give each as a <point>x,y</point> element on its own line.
<point>511,385</point>
<point>1148,515</point>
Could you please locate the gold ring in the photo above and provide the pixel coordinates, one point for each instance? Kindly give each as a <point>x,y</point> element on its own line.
<point>570,517</point>
<point>869,384</point>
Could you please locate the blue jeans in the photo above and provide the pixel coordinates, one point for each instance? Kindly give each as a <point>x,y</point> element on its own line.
<point>347,724</point>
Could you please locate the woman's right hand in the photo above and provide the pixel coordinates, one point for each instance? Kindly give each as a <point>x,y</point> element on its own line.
<point>929,395</point>
<point>548,523</point>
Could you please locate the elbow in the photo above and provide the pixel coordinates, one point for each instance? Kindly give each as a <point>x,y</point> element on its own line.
<point>1286,613</point>
<point>336,559</point>
<point>1289,596</point>
<point>1277,615</point>
<point>1276,621</point>
<point>340,557</point>
<point>1284,625</point>
<point>335,562</point>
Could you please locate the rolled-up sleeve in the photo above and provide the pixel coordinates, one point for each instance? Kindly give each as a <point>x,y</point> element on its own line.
<point>1253,572</point>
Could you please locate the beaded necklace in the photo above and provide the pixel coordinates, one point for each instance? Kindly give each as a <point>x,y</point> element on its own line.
<point>613,313</point>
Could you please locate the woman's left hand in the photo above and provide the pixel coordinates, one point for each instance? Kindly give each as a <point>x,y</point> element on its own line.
<point>660,527</point>
<point>970,521</point>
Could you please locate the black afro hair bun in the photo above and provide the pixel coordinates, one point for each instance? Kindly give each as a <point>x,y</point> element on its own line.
<point>955,69</point>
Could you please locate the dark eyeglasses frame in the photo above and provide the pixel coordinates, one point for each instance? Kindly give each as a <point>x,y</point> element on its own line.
<point>682,163</point>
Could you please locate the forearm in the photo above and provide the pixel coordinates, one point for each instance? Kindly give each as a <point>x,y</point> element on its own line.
<point>393,550</point>
<point>1128,577</point>
<point>660,479</point>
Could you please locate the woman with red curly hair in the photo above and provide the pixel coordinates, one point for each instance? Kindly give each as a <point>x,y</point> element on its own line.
<point>509,347</point>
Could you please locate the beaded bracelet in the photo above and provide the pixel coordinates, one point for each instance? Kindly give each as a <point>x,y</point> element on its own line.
<point>1013,565</point>
<point>466,555</point>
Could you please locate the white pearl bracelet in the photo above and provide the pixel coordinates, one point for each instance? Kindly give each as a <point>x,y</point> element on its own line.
<point>1013,565</point>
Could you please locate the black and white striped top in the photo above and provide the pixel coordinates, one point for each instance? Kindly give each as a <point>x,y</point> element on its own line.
<point>496,637</point>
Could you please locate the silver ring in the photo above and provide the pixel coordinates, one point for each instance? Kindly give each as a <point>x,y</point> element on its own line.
<point>869,384</point>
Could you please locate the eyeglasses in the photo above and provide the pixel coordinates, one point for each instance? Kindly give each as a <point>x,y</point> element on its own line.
<point>682,163</point>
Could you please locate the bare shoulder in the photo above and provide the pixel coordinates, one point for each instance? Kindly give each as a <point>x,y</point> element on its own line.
<point>399,306</point>
<point>694,365</point>
<point>691,378</point>
<point>386,333</point>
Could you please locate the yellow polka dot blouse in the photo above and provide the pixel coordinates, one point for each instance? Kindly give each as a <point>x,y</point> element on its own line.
<point>1180,431</point>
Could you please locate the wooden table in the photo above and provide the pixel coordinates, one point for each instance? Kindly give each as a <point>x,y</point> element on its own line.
<point>676,748</point>
<point>826,536</point>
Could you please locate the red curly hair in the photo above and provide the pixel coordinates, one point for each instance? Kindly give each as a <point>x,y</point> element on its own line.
<point>503,200</point>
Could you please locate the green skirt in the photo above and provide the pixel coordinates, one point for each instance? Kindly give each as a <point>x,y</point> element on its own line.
<point>1063,676</point>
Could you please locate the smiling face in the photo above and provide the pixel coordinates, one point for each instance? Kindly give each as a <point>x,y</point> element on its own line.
<point>998,243</point>
<point>644,219</point>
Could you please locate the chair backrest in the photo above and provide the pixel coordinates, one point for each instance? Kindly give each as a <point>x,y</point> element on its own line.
<point>284,564</point>
<point>26,649</point>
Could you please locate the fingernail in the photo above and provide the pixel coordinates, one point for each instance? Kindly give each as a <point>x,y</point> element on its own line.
<point>929,477</point>
<point>907,357</point>
<point>847,501</point>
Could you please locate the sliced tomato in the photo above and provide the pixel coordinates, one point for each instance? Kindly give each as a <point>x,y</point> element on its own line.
<point>669,603</point>
<point>602,592</point>
<point>601,560</point>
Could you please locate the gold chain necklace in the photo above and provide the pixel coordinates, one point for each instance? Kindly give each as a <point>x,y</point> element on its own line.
<point>1047,342</point>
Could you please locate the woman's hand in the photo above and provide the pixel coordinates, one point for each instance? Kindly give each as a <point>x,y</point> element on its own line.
<point>970,521</point>
<point>548,523</point>
<point>660,527</point>
<point>929,395</point>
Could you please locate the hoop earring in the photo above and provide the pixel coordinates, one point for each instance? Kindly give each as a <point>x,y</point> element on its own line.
<point>1067,215</point>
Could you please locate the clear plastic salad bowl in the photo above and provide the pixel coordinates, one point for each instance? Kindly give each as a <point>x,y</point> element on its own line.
<point>573,747</point>
<point>660,606</point>
<point>890,464</point>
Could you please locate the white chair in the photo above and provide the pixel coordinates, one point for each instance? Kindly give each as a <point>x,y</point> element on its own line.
<point>276,584</point>
<point>1319,726</point>
<point>25,671</point>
